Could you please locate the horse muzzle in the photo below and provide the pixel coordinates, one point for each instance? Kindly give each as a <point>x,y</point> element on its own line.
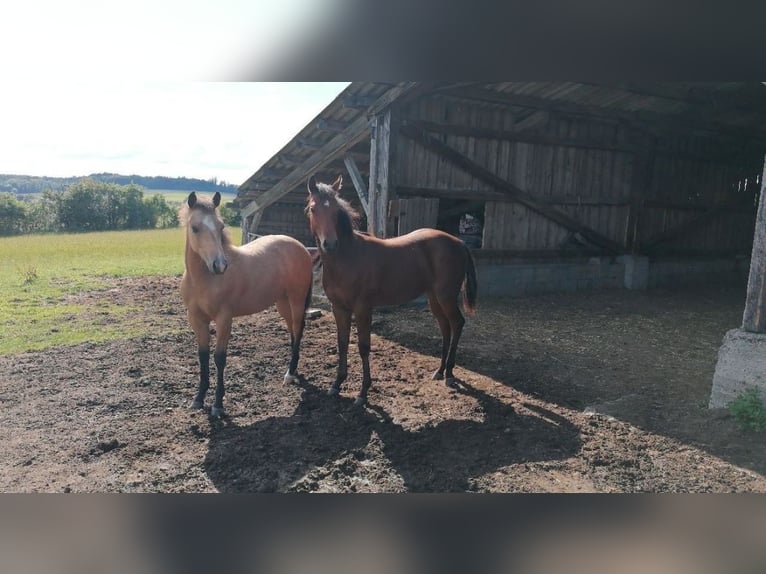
<point>329,246</point>
<point>219,265</point>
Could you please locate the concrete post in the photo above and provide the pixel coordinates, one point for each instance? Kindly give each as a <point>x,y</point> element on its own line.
<point>636,271</point>
<point>742,357</point>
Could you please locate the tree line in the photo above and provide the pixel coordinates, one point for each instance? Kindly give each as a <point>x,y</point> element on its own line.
<point>26,184</point>
<point>86,205</point>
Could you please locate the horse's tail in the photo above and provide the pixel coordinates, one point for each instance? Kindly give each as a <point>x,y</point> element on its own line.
<point>470,291</point>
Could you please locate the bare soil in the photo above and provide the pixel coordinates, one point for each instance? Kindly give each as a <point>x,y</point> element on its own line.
<point>599,391</point>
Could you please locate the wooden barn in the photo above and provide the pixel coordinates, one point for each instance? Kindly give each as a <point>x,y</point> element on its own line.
<point>555,186</point>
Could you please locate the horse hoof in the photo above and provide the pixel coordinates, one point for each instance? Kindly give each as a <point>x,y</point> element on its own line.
<point>452,382</point>
<point>333,391</point>
<point>360,401</point>
<point>437,376</point>
<point>291,379</point>
<point>216,412</point>
<point>196,404</point>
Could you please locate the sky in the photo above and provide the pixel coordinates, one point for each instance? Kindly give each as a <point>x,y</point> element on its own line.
<point>225,130</point>
<point>143,86</point>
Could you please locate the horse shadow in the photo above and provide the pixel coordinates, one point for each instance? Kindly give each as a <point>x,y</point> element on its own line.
<point>275,454</point>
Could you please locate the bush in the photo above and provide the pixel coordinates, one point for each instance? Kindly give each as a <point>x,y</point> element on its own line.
<point>749,410</point>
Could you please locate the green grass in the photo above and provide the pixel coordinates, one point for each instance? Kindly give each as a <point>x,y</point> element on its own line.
<point>176,197</point>
<point>41,275</point>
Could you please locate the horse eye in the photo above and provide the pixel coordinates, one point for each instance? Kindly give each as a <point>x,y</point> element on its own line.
<point>195,229</point>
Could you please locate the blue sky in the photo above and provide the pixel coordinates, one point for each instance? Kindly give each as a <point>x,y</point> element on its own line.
<point>192,129</point>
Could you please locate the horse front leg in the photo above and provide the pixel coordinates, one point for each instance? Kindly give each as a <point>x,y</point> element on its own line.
<point>201,327</point>
<point>343,325</point>
<point>223,333</point>
<point>364,328</point>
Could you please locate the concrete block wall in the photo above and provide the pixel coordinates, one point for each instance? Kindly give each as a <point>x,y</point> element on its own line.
<point>526,278</point>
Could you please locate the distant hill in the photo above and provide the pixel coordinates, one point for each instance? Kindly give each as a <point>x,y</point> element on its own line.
<point>26,184</point>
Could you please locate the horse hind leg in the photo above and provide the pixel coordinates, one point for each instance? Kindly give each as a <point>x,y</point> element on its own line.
<point>444,327</point>
<point>285,310</point>
<point>297,325</point>
<point>456,322</point>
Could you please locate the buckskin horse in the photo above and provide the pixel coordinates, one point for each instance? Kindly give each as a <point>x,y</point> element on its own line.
<point>222,281</point>
<point>361,272</point>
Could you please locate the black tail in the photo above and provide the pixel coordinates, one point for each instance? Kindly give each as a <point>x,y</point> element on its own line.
<point>470,292</point>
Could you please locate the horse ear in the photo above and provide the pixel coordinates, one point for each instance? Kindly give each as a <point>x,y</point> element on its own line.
<point>192,199</point>
<point>338,183</point>
<point>312,185</point>
<point>217,199</point>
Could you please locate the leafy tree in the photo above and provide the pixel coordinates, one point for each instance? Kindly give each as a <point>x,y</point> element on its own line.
<point>84,207</point>
<point>13,214</point>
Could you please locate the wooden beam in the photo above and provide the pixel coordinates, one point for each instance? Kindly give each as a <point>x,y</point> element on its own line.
<point>308,143</point>
<point>290,159</point>
<point>517,136</point>
<point>341,142</point>
<point>338,144</point>
<point>488,195</point>
<point>754,317</point>
<point>356,179</point>
<point>444,193</point>
<point>358,102</point>
<point>634,117</point>
<point>331,125</point>
<point>510,190</point>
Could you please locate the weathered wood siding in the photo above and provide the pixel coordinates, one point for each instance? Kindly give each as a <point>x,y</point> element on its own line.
<point>592,177</point>
<point>414,213</point>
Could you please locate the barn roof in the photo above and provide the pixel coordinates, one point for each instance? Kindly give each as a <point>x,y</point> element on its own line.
<point>733,109</point>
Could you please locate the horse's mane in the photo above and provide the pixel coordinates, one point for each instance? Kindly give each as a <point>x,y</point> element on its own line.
<point>348,217</point>
<point>205,205</point>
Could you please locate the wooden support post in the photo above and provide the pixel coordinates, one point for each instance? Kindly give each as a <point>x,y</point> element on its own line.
<point>640,184</point>
<point>380,173</point>
<point>356,179</point>
<point>754,318</point>
<point>252,227</point>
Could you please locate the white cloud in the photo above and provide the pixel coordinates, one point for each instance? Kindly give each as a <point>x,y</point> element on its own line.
<point>223,130</point>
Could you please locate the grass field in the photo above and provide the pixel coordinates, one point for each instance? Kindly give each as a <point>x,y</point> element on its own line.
<point>39,274</point>
<point>172,196</point>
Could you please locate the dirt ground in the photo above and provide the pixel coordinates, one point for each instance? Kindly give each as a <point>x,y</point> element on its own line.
<point>599,391</point>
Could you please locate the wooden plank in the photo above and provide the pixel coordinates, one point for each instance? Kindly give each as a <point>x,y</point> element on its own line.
<point>356,179</point>
<point>689,225</point>
<point>416,213</point>
<point>754,317</point>
<point>380,164</point>
<point>512,191</point>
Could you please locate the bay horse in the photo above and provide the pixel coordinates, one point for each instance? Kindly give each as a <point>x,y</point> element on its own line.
<point>361,272</point>
<point>222,281</point>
